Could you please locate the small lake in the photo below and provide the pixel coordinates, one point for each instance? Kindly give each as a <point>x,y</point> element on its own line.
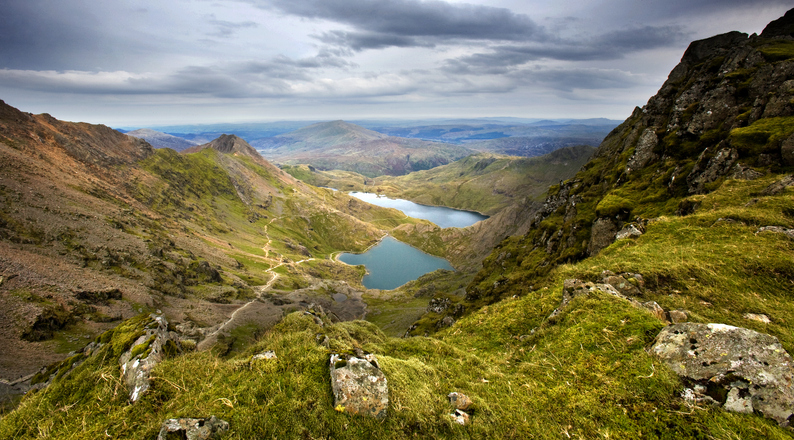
<point>392,263</point>
<point>442,216</point>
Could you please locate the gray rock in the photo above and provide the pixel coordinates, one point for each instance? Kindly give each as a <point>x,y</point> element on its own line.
<point>743,172</point>
<point>643,153</point>
<point>193,429</point>
<point>757,317</point>
<point>752,369</point>
<point>716,167</point>
<point>628,231</point>
<point>573,288</point>
<point>656,310</point>
<point>602,235</point>
<point>779,186</point>
<point>622,285</point>
<point>270,354</point>
<point>777,229</point>
<point>359,386</point>
<point>459,400</point>
<point>678,316</point>
<point>146,352</point>
<point>460,417</point>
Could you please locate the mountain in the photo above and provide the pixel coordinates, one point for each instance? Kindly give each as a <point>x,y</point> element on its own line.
<point>345,146</point>
<point>159,139</point>
<point>97,226</point>
<point>651,297</point>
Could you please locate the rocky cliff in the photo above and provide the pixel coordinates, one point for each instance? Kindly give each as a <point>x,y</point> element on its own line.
<point>726,111</point>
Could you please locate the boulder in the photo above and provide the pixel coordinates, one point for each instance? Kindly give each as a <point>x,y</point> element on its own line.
<point>193,429</point>
<point>602,235</point>
<point>146,352</point>
<point>743,370</point>
<point>359,385</point>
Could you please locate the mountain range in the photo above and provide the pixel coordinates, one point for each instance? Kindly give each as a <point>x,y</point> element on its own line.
<point>344,146</point>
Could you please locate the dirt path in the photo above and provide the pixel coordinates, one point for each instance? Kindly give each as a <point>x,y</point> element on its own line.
<point>211,338</point>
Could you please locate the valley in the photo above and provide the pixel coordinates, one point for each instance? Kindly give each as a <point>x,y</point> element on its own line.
<point>611,292</point>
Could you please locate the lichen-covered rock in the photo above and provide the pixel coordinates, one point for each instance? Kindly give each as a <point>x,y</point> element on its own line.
<point>146,352</point>
<point>459,400</point>
<point>359,386</point>
<point>741,369</point>
<point>193,429</point>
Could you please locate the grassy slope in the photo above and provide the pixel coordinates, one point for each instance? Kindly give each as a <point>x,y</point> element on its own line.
<point>585,374</point>
<point>482,182</point>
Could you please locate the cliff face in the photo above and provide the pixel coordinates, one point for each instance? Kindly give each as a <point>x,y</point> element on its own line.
<point>726,111</point>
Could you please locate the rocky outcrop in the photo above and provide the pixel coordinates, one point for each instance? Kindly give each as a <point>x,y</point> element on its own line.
<point>359,385</point>
<point>146,352</point>
<point>193,429</point>
<point>740,369</point>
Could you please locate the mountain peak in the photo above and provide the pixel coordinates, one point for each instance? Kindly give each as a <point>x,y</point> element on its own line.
<point>228,144</point>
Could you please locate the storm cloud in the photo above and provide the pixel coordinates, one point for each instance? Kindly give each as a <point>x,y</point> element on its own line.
<point>144,60</point>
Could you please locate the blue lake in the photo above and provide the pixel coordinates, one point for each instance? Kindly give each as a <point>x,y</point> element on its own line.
<point>392,263</point>
<point>442,216</point>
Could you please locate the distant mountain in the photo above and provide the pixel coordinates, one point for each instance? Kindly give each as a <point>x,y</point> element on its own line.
<point>227,144</point>
<point>345,146</point>
<point>527,138</point>
<point>161,140</point>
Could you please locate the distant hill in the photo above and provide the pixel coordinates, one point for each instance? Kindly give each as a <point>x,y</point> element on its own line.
<point>344,146</point>
<point>161,140</point>
<point>227,144</point>
<point>516,138</point>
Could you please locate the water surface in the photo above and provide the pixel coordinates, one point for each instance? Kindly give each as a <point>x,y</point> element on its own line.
<point>392,263</point>
<point>440,215</point>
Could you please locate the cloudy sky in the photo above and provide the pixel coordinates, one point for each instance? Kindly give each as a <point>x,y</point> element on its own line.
<point>151,62</point>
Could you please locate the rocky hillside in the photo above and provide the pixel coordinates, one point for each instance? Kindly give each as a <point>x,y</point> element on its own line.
<point>344,146</point>
<point>159,139</point>
<point>725,112</point>
<point>97,226</point>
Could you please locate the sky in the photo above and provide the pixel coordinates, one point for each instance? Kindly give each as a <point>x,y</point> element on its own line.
<point>148,63</point>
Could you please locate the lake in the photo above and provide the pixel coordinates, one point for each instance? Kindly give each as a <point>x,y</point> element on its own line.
<point>392,263</point>
<point>440,215</point>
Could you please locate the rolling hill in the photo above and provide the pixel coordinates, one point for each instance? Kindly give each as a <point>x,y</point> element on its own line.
<point>344,146</point>
<point>159,139</point>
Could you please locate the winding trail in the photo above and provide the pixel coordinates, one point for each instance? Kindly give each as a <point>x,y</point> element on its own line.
<point>260,290</point>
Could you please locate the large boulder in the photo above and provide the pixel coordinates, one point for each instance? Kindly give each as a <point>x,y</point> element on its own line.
<point>743,370</point>
<point>359,385</point>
